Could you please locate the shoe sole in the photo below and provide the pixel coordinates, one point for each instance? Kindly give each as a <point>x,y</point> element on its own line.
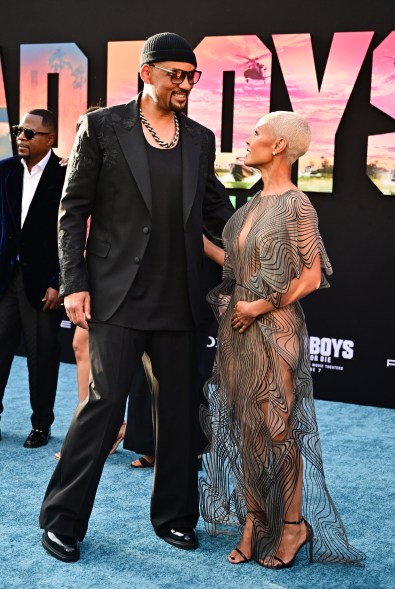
<point>59,555</point>
<point>182,545</point>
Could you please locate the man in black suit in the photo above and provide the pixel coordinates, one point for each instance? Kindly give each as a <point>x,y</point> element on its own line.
<point>30,190</point>
<point>145,174</point>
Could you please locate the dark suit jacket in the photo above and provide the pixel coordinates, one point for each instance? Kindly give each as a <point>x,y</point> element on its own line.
<point>36,242</point>
<point>108,178</point>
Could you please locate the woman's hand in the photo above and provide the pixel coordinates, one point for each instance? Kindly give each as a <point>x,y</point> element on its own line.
<point>243,316</point>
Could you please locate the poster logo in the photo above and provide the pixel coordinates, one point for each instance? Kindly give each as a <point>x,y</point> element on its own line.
<point>328,353</point>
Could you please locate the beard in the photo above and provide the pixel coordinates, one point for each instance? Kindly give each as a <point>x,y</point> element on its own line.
<point>179,108</point>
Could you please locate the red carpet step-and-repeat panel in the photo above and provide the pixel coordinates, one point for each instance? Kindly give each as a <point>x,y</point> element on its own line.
<point>334,65</point>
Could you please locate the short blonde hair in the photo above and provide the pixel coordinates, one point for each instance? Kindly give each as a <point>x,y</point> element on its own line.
<point>293,128</point>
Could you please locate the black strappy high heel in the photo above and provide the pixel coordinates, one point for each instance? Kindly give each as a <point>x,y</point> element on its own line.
<point>232,560</point>
<point>287,565</point>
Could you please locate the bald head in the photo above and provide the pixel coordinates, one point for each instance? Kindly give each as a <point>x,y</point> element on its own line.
<point>293,128</point>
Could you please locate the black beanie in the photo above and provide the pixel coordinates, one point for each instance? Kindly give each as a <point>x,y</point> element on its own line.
<point>167,47</point>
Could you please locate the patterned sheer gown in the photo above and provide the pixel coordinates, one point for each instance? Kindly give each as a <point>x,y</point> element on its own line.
<point>260,419</point>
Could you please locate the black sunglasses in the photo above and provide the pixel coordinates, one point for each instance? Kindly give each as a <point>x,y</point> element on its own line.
<point>29,133</point>
<point>178,76</point>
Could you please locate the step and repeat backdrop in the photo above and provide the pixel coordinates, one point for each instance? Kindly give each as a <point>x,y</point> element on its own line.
<point>335,65</point>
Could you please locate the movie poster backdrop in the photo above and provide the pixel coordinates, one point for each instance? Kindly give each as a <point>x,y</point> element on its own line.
<point>346,90</point>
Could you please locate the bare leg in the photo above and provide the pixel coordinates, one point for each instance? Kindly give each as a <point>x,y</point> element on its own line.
<point>291,475</point>
<point>81,352</point>
<point>244,546</point>
<point>293,536</point>
<point>120,437</point>
<point>154,387</point>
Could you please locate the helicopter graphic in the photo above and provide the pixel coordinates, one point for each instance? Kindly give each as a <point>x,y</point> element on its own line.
<point>255,70</point>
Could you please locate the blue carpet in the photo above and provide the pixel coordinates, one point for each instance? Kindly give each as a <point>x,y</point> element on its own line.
<point>121,549</point>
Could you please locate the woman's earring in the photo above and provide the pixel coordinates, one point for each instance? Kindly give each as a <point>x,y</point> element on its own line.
<point>273,153</point>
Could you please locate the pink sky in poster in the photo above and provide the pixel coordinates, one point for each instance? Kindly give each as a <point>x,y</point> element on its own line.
<point>383,76</point>
<point>252,99</point>
<point>5,141</point>
<point>250,59</point>
<point>123,67</point>
<point>67,60</point>
<point>381,149</point>
<point>323,107</point>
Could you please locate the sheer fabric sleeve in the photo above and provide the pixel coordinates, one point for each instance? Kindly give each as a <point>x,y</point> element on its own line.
<point>290,242</point>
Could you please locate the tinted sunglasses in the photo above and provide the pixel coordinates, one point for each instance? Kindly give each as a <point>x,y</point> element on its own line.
<point>29,133</point>
<point>178,76</point>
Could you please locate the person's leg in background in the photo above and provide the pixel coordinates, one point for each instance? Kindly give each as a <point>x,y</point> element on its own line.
<point>81,353</point>
<point>139,435</point>
<point>40,332</point>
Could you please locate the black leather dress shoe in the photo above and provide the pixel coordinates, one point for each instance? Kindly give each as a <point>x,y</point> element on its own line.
<point>37,438</point>
<point>184,538</point>
<point>63,548</point>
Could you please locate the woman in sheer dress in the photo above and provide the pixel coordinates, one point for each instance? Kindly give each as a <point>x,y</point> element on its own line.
<point>264,468</point>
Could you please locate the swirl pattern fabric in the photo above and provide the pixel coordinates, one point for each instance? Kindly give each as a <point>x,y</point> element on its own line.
<point>260,420</point>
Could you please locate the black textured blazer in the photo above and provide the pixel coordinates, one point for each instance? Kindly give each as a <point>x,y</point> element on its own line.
<point>108,178</point>
<point>36,242</point>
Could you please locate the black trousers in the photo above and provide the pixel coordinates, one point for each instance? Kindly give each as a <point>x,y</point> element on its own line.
<point>40,332</point>
<point>114,353</point>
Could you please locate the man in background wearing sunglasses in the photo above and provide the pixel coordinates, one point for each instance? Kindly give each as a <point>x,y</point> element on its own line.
<point>30,190</point>
<point>145,173</point>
